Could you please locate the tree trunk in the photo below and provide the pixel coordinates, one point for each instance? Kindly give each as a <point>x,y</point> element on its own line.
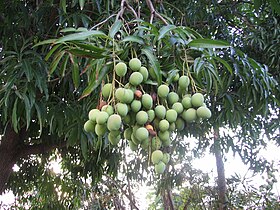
<point>12,148</point>
<point>221,173</point>
<point>8,156</point>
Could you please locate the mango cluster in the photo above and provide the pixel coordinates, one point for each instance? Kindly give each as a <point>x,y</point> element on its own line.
<point>145,114</point>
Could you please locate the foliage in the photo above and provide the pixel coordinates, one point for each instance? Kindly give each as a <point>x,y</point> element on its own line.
<point>48,87</point>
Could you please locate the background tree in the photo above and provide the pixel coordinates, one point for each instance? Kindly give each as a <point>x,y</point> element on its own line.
<point>41,87</point>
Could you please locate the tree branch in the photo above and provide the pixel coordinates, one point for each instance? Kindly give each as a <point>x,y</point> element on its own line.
<point>35,149</point>
<point>102,22</point>
<point>124,5</point>
<point>154,12</point>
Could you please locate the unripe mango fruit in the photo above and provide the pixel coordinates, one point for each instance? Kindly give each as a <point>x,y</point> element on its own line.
<point>178,107</point>
<point>141,117</point>
<point>172,98</point>
<point>171,115</point>
<point>166,158</point>
<point>114,122</point>
<point>114,140</point>
<point>180,124</point>
<point>142,134</point>
<point>100,129</point>
<point>163,125</point>
<point>107,90</point>
<point>147,101</point>
<point>160,167</point>
<point>144,71</point>
<point>186,102</point>
<point>189,115</point>
<point>157,156</point>
<point>160,111</point>
<point>102,117</point>
<point>108,108</point>
<point>197,99</point>
<point>136,78</point>
<point>184,82</point>
<point>135,105</point>
<point>93,114</point>
<point>203,112</point>
<point>121,69</point>
<point>134,64</point>
<point>89,126</point>
<point>122,109</point>
<point>163,91</point>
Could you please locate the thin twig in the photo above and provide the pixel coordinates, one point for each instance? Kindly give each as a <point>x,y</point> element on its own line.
<point>123,192</point>
<point>120,13</point>
<point>154,12</point>
<point>102,22</point>
<point>124,5</point>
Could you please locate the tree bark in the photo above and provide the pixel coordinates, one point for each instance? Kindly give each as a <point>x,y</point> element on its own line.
<point>221,172</point>
<point>8,152</point>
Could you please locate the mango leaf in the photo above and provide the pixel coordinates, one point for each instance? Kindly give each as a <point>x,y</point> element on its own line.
<point>27,110</point>
<point>89,46</point>
<point>154,63</point>
<point>56,61</point>
<point>208,43</point>
<point>136,39</point>
<point>115,28</point>
<point>64,65</point>
<point>63,5</point>
<point>48,41</point>
<point>164,30</point>
<point>84,145</point>
<point>27,69</point>
<point>39,115</point>
<point>93,84</point>
<point>76,75</point>
<point>275,5</point>
<point>14,116</point>
<point>226,64</point>
<point>83,53</point>
<point>54,48</point>
<point>82,4</point>
<point>80,36</point>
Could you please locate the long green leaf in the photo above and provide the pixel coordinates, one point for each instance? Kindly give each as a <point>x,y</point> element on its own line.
<point>76,75</point>
<point>89,46</point>
<point>208,43</point>
<point>56,61</point>
<point>80,36</point>
<point>54,48</point>
<point>84,145</point>
<point>27,110</point>
<point>136,39</point>
<point>164,30</point>
<point>275,5</point>
<point>63,5</point>
<point>48,41</point>
<point>154,63</point>
<point>83,53</point>
<point>14,116</point>
<point>82,4</point>
<point>225,63</point>
<point>64,65</point>
<point>115,28</point>
<point>39,116</point>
